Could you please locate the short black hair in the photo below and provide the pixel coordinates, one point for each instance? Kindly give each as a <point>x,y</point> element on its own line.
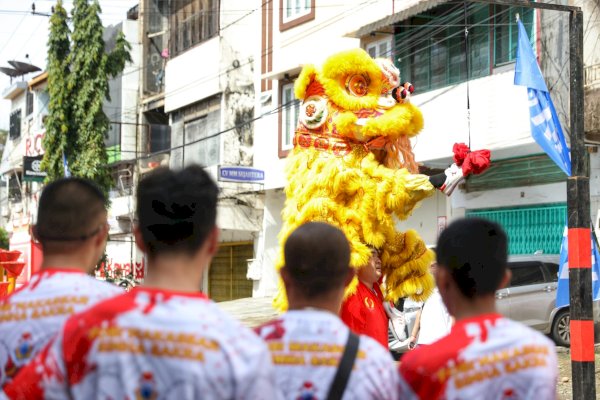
<point>475,251</point>
<point>68,209</point>
<point>176,209</point>
<point>317,258</point>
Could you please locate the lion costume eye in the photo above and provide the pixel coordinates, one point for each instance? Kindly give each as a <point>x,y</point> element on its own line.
<point>357,85</point>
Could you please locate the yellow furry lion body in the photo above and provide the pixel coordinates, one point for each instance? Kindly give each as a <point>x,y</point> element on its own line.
<point>352,166</point>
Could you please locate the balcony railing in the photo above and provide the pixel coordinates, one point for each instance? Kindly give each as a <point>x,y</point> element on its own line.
<point>591,75</point>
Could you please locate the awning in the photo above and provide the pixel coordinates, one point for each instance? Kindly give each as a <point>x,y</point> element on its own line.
<point>239,217</point>
<point>408,8</point>
<point>290,71</point>
<point>38,80</point>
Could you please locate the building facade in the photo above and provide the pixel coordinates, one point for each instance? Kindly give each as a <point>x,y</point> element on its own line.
<point>29,101</point>
<point>475,103</point>
<point>23,152</point>
<point>123,258</point>
<point>197,107</point>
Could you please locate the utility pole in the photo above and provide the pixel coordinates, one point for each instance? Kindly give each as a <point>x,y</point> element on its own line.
<point>578,210</point>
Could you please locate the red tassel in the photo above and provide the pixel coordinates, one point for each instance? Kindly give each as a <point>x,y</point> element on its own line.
<point>476,162</point>
<point>472,162</point>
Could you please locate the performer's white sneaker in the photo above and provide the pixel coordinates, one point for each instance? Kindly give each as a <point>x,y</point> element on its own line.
<point>454,176</point>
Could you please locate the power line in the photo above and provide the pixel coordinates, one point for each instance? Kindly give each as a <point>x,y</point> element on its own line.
<point>211,136</point>
<point>204,79</point>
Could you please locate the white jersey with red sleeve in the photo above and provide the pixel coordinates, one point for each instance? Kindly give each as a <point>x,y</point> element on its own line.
<point>32,315</point>
<point>306,347</point>
<point>150,344</point>
<point>484,357</point>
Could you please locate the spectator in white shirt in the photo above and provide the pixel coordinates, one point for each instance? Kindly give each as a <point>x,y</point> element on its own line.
<point>433,321</point>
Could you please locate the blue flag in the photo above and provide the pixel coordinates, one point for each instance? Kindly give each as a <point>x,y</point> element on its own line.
<point>545,125</point>
<point>562,292</point>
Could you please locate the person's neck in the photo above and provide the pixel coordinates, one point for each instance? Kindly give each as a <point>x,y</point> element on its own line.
<point>370,285</point>
<point>469,309</point>
<point>318,304</point>
<point>74,262</point>
<point>179,274</point>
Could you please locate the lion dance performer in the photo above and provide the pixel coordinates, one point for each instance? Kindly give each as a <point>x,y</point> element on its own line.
<point>352,166</point>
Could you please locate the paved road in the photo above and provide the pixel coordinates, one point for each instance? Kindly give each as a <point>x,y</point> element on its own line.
<point>250,311</point>
<point>565,388</point>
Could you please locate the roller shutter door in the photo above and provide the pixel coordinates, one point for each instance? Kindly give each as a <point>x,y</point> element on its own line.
<point>227,275</point>
<point>529,229</point>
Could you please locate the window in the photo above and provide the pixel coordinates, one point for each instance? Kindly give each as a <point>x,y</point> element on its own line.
<point>160,137</point>
<point>553,270</point>
<point>526,273</point>
<point>431,48</point>
<point>14,188</point>
<point>193,22</point>
<point>295,12</point>
<point>200,147</point>
<point>288,118</point>
<point>506,31</point>
<point>15,124</point>
<point>29,103</point>
<point>381,48</point>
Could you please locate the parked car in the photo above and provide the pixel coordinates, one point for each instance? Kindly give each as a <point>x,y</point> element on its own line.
<point>530,297</point>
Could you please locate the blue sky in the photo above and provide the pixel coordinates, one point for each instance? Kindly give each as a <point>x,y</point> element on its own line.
<point>22,33</point>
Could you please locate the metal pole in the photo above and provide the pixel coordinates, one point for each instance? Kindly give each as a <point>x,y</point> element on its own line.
<point>578,208</point>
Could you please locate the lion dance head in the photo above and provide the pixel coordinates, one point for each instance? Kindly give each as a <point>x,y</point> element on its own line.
<point>352,166</point>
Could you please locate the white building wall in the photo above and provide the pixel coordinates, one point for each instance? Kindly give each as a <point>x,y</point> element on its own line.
<point>425,219</point>
<point>267,245</point>
<point>192,75</point>
<point>130,91</point>
<point>499,119</point>
<point>314,41</point>
<point>311,42</point>
<point>15,148</point>
<point>265,144</point>
<point>222,68</point>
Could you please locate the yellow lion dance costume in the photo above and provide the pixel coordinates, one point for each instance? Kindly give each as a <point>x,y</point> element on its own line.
<point>352,166</point>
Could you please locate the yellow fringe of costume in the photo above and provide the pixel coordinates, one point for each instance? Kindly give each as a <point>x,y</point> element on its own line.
<point>358,189</point>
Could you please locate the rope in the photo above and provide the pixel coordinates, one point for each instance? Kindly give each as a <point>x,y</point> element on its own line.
<point>468,66</point>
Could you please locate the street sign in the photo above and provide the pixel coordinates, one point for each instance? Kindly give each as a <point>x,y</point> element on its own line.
<point>32,172</point>
<point>240,174</point>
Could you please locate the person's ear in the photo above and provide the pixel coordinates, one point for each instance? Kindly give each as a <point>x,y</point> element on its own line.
<point>444,282</point>
<point>284,275</point>
<point>101,237</point>
<point>442,279</point>
<point>139,241</point>
<point>506,279</point>
<point>213,241</point>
